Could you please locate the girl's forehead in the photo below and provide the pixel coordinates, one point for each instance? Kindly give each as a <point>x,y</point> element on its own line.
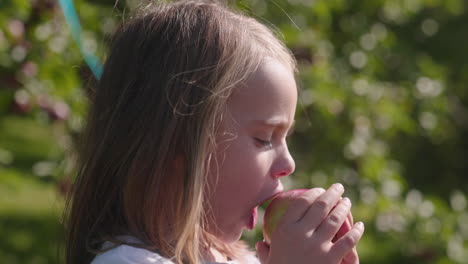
<point>268,74</point>
<point>270,91</point>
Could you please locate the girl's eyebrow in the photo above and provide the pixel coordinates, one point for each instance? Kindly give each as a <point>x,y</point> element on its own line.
<point>277,123</point>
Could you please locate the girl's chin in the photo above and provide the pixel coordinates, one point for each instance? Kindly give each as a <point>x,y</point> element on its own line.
<point>231,236</point>
<point>233,232</point>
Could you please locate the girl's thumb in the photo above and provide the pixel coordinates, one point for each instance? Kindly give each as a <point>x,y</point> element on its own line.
<point>262,251</point>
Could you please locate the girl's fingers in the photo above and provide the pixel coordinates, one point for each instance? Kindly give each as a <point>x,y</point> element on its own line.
<point>299,207</point>
<point>322,206</point>
<point>351,258</point>
<point>263,250</point>
<point>350,218</point>
<point>347,225</point>
<point>334,221</point>
<point>346,244</point>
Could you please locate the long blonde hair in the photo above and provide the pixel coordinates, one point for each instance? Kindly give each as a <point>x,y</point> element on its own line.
<point>170,71</point>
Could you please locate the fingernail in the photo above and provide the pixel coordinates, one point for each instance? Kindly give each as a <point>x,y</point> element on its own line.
<point>347,200</point>
<point>360,225</point>
<point>339,186</point>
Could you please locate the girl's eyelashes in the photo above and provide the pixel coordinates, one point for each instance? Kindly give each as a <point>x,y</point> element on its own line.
<point>264,143</point>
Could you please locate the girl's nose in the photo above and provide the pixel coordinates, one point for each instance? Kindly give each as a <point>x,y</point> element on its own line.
<point>284,165</point>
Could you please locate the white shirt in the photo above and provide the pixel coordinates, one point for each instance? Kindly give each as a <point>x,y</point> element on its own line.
<point>125,254</point>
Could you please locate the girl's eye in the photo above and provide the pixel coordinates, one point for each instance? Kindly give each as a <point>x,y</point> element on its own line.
<point>264,143</point>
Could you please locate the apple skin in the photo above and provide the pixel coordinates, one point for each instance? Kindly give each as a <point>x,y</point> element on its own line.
<point>278,207</point>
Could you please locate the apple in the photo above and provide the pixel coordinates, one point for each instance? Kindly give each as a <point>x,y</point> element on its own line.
<point>278,207</point>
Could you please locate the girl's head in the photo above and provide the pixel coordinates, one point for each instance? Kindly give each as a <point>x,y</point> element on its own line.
<point>185,134</point>
<point>252,154</point>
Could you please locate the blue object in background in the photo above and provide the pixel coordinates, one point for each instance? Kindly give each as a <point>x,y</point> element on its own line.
<point>74,23</point>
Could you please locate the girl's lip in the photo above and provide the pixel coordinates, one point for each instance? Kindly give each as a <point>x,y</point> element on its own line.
<point>254,212</point>
<point>271,197</point>
<point>253,219</point>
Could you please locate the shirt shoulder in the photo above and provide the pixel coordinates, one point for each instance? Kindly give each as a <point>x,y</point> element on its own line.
<point>253,260</point>
<point>124,254</point>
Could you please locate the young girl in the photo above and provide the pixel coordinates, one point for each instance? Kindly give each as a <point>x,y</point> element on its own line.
<point>185,138</point>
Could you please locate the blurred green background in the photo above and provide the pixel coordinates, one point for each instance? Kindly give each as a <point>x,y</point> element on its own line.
<point>383,109</point>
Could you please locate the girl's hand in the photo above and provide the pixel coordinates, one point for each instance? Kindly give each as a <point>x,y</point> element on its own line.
<point>352,257</point>
<point>306,231</point>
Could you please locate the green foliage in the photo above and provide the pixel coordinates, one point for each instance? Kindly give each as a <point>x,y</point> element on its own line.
<point>383,109</point>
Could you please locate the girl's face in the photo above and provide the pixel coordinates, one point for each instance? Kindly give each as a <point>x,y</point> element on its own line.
<point>252,152</point>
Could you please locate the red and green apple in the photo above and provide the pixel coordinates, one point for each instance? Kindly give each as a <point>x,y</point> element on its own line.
<point>278,207</point>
